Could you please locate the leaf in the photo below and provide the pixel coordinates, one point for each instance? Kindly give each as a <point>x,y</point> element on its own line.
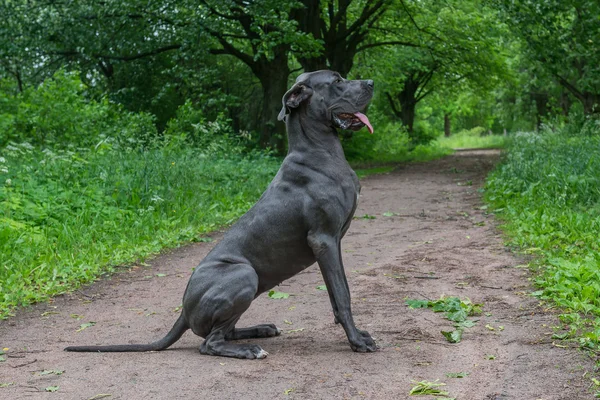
<point>100,396</point>
<point>417,303</point>
<point>457,374</point>
<point>288,391</point>
<point>161,275</point>
<point>76,316</point>
<point>295,330</point>
<point>45,314</point>
<point>453,336</point>
<point>278,295</point>
<point>389,214</point>
<point>52,388</point>
<point>285,321</point>
<point>490,357</point>
<point>466,324</point>
<point>86,325</point>
<point>52,371</point>
<point>321,287</point>
<point>424,388</point>
<point>6,384</point>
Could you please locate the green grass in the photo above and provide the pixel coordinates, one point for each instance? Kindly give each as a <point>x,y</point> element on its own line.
<point>547,191</point>
<point>472,139</point>
<point>66,217</point>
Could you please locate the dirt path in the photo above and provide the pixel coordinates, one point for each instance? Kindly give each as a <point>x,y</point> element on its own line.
<point>439,242</point>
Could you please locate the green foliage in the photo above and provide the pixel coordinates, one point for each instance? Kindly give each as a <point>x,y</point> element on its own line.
<point>472,139</point>
<point>389,143</point>
<point>68,216</point>
<point>548,192</point>
<point>191,128</point>
<point>455,309</point>
<point>56,114</point>
<point>561,37</point>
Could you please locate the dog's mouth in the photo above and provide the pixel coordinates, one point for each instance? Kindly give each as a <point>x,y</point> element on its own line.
<point>353,121</point>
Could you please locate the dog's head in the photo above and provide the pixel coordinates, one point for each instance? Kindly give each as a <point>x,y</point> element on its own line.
<point>326,96</point>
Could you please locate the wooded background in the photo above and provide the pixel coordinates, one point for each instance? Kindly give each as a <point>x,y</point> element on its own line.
<point>439,66</point>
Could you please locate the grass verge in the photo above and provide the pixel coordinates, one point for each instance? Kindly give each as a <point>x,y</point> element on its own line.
<point>472,139</point>
<point>547,191</point>
<point>66,217</point>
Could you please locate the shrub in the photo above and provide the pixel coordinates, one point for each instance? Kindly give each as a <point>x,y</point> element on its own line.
<point>56,114</point>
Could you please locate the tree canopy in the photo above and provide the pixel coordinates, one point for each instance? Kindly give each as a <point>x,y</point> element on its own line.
<point>237,58</point>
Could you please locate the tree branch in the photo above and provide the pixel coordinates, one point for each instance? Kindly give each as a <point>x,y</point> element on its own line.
<point>389,43</point>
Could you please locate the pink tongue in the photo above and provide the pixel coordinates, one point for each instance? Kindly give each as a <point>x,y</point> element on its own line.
<point>363,118</point>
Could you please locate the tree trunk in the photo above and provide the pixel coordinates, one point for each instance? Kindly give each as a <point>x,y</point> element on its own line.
<point>273,76</point>
<point>310,21</point>
<point>408,103</point>
<point>541,107</point>
<point>447,125</point>
<point>591,103</point>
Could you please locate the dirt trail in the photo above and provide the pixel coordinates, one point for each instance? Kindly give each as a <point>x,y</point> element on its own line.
<point>438,242</point>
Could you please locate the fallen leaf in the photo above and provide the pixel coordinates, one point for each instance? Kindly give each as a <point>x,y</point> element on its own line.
<point>295,330</point>
<point>6,384</point>
<point>161,275</point>
<point>288,391</point>
<point>322,287</point>
<point>86,325</point>
<point>100,396</point>
<point>457,374</point>
<point>76,316</point>
<point>52,388</point>
<point>52,371</point>
<point>287,322</point>
<point>278,295</point>
<point>45,314</point>
<point>453,336</point>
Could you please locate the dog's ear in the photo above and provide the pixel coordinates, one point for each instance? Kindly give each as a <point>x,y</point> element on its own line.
<point>293,98</point>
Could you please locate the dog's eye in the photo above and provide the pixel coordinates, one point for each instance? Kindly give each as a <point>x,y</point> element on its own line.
<point>338,80</point>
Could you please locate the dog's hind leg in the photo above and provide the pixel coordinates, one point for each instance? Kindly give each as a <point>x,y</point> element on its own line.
<point>226,304</point>
<point>254,332</point>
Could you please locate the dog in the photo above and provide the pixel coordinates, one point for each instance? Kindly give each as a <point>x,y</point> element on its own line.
<point>299,220</point>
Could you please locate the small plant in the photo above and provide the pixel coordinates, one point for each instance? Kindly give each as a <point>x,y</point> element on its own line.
<point>455,309</point>
<point>426,388</point>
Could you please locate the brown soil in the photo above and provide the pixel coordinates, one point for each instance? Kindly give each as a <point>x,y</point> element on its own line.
<point>439,242</point>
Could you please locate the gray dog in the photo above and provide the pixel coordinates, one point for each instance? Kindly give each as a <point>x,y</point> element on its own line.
<point>301,218</point>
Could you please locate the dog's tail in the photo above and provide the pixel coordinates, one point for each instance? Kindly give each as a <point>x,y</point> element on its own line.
<point>174,335</point>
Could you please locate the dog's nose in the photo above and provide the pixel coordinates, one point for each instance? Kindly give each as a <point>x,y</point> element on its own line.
<point>370,82</point>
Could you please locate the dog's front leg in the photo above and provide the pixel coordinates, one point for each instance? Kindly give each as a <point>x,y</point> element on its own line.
<point>328,255</point>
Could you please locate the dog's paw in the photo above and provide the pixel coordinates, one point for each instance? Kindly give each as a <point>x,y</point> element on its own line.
<point>262,354</point>
<point>364,343</point>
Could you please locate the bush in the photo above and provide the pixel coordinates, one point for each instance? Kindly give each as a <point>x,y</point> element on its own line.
<point>190,128</point>
<point>56,114</point>
<point>389,142</point>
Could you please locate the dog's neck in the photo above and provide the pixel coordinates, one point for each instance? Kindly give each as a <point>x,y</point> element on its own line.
<point>305,135</point>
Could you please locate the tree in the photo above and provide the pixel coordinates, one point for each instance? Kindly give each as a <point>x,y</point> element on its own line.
<point>344,27</point>
<point>456,46</point>
<point>563,37</point>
